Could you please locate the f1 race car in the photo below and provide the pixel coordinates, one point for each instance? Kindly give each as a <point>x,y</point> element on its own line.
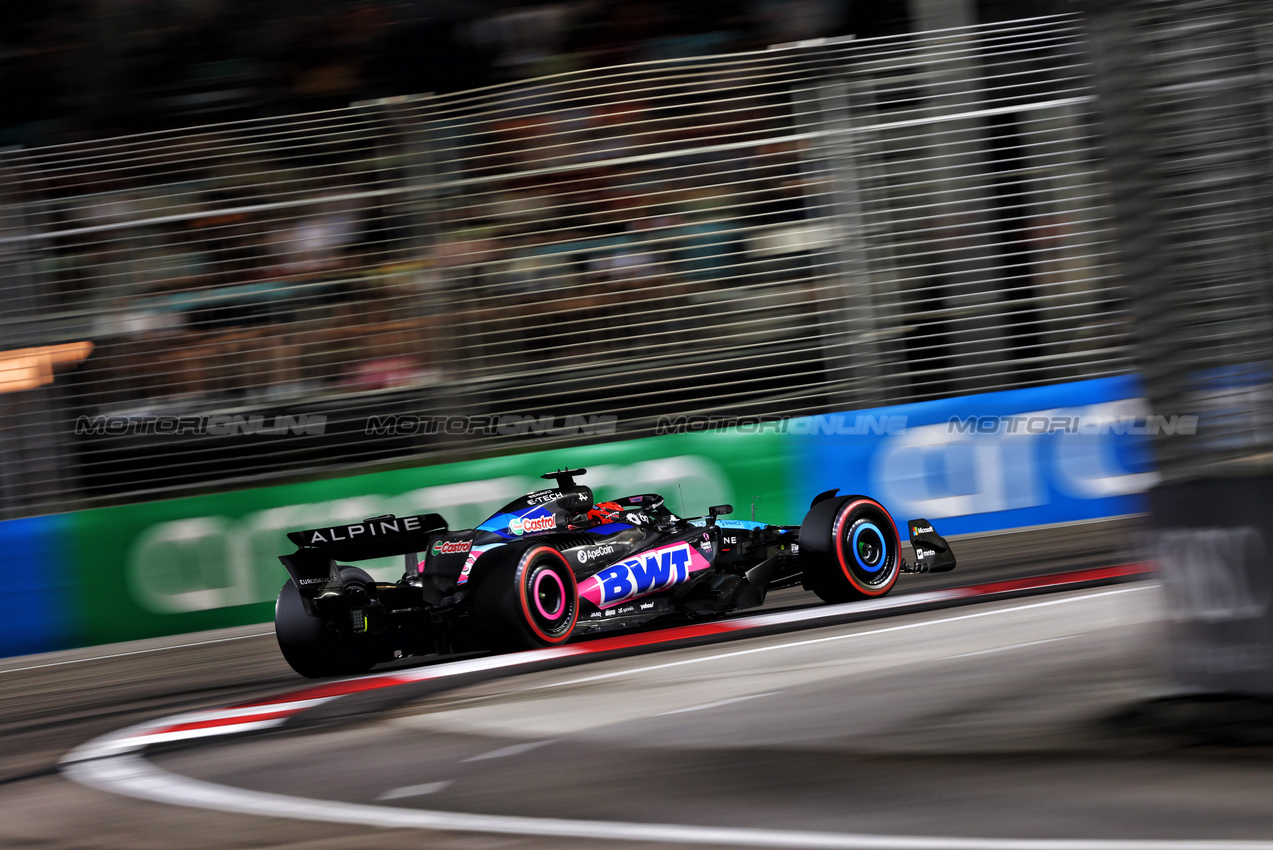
<point>554,565</point>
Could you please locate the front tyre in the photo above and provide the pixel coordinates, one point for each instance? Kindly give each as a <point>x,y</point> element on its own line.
<point>850,549</point>
<point>531,600</point>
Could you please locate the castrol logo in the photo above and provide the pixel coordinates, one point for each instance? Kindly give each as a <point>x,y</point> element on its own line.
<point>521,526</point>
<point>452,547</point>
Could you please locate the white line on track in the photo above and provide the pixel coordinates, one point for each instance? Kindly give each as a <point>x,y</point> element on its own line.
<point>716,656</point>
<point>135,777</point>
<point>134,652</point>
<point>720,702</point>
<point>1013,646</point>
<point>514,750</point>
<point>414,790</point>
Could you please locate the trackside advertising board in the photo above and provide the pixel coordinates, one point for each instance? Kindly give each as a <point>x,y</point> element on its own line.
<point>38,606</point>
<point>993,461</point>
<point>181,565</point>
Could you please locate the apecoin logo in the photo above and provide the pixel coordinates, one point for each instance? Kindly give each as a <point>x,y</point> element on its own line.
<point>586,555</point>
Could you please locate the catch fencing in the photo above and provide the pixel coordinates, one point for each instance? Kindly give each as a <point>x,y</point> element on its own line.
<point>1186,87</point>
<point>810,228</point>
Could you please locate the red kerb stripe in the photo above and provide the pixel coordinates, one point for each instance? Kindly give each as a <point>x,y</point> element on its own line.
<point>335,689</point>
<point>1078,577</point>
<point>224,721</point>
<point>660,636</point>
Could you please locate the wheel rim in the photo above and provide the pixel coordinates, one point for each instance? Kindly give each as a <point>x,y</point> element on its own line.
<point>867,552</point>
<point>867,545</point>
<point>549,595</point>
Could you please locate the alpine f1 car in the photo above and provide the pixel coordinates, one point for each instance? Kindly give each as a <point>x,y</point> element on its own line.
<point>553,565</point>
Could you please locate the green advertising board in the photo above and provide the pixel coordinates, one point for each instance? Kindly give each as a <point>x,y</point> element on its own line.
<point>211,561</point>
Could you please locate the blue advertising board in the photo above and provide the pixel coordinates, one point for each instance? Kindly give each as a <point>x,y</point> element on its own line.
<point>35,610</point>
<point>992,461</point>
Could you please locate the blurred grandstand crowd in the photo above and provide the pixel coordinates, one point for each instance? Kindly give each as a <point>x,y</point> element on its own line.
<point>221,298</point>
<point>71,69</point>
<point>269,268</point>
<point>383,255</point>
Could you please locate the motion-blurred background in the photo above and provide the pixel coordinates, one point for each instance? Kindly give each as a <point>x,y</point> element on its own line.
<point>82,68</point>
<point>290,222</point>
<point>656,227</point>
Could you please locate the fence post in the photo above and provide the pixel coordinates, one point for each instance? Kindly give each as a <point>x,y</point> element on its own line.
<point>849,337</point>
<point>415,155</point>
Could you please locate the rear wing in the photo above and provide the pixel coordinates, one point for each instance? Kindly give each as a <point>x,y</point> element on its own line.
<point>313,565</point>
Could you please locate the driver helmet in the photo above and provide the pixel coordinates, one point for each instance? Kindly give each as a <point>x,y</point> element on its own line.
<point>604,512</point>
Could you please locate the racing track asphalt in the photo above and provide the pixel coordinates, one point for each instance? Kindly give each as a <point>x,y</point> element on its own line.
<point>47,710</point>
<point>977,727</point>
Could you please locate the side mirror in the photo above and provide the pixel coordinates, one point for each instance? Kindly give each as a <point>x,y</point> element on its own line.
<point>720,510</point>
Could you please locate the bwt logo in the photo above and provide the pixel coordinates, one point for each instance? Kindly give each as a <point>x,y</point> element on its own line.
<point>638,576</point>
<point>212,425</point>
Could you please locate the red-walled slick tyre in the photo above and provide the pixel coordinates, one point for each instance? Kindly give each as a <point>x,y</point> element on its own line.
<point>532,599</point>
<point>850,549</point>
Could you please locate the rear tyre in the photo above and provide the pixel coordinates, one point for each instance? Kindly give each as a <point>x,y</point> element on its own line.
<point>531,600</point>
<point>850,549</point>
<point>314,647</point>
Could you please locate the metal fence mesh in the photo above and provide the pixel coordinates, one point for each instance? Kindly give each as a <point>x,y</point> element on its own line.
<point>809,228</point>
